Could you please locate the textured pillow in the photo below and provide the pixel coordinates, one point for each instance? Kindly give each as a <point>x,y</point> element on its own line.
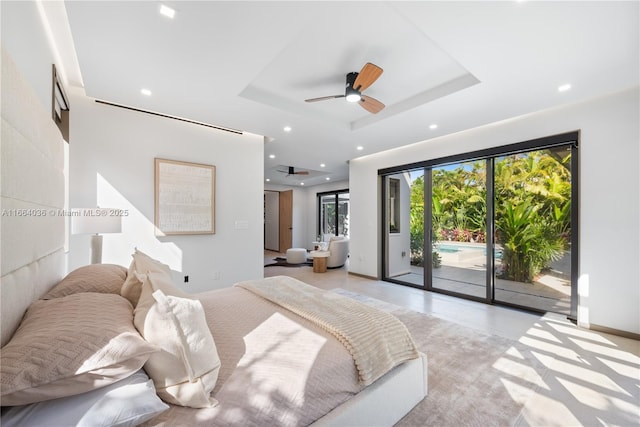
<point>186,368</point>
<point>140,266</point>
<point>103,278</point>
<point>126,403</point>
<point>161,281</point>
<point>69,345</point>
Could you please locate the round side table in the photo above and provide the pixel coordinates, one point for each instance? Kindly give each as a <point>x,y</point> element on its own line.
<point>319,261</point>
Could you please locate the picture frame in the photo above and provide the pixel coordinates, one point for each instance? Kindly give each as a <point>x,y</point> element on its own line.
<point>184,197</point>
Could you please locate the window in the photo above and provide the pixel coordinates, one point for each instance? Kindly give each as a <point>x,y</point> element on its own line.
<point>394,205</point>
<point>333,215</point>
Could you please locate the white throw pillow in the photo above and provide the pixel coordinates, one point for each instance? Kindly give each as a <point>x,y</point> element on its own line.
<point>128,402</point>
<point>186,369</point>
<point>140,265</point>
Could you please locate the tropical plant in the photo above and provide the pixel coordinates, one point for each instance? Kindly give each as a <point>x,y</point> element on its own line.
<point>416,221</point>
<point>532,209</point>
<point>528,242</point>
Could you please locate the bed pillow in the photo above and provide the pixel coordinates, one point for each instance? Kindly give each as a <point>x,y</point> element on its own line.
<point>70,345</point>
<point>126,403</point>
<point>161,281</point>
<point>102,278</point>
<point>140,266</point>
<point>185,370</point>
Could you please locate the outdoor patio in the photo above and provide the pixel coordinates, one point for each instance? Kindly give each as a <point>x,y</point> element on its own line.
<point>464,272</point>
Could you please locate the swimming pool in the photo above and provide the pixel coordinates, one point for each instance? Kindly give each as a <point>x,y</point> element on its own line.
<point>453,248</point>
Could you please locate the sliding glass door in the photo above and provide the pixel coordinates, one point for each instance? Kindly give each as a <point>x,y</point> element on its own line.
<point>499,227</point>
<point>459,215</point>
<point>533,229</point>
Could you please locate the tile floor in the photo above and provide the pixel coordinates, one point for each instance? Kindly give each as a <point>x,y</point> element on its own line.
<point>593,378</point>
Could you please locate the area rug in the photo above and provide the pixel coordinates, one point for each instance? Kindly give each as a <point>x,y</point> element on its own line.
<point>282,262</point>
<point>474,379</point>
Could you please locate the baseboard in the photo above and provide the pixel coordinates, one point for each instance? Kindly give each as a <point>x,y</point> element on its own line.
<point>363,275</point>
<point>613,331</point>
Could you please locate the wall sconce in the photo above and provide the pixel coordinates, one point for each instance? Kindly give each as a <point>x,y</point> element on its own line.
<point>96,221</point>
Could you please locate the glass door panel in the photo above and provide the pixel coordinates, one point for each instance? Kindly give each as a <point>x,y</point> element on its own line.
<point>533,229</point>
<point>405,227</point>
<point>327,214</point>
<point>458,216</point>
<point>333,214</point>
<point>343,214</point>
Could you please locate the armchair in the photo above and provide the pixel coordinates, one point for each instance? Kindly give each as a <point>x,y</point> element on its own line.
<point>338,252</point>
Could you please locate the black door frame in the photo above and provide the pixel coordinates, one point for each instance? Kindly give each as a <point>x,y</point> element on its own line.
<point>571,139</point>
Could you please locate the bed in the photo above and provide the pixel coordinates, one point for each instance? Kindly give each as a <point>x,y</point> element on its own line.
<point>251,354</point>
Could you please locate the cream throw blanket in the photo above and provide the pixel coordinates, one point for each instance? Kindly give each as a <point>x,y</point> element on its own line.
<point>377,340</point>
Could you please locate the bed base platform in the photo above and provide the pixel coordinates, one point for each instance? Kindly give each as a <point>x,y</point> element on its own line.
<point>384,402</point>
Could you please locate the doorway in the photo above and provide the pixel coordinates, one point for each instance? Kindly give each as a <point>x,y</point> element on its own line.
<point>278,220</point>
<point>497,226</point>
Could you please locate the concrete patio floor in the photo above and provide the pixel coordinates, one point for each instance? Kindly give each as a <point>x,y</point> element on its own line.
<point>466,274</point>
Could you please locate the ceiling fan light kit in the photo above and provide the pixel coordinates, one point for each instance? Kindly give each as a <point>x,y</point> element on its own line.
<point>350,93</point>
<point>356,83</point>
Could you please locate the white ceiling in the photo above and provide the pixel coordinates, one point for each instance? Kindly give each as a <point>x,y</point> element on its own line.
<point>250,65</point>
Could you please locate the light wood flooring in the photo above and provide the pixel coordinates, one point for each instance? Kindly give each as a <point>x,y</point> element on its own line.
<point>591,373</point>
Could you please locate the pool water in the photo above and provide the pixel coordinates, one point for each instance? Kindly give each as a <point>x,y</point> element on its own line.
<point>451,249</point>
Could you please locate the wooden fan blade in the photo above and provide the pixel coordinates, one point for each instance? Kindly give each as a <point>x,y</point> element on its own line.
<point>302,173</point>
<point>370,104</point>
<point>369,74</point>
<point>323,98</point>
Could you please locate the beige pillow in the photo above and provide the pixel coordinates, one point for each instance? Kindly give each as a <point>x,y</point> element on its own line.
<point>69,345</point>
<point>140,266</point>
<point>186,369</point>
<point>103,278</point>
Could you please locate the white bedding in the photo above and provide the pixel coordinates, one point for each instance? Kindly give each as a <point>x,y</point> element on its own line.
<point>376,340</point>
<point>281,369</point>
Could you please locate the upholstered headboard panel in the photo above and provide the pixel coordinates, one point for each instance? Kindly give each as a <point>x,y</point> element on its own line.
<point>32,196</point>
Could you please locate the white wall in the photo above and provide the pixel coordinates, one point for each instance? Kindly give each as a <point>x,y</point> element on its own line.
<point>32,161</point>
<point>26,41</point>
<point>112,153</point>
<point>609,197</point>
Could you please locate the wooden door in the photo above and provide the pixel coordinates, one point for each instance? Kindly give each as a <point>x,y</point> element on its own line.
<point>286,220</point>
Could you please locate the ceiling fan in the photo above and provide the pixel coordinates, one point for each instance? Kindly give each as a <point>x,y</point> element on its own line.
<point>291,171</point>
<point>355,85</point>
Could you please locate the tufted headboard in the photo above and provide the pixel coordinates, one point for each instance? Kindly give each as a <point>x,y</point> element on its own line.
<point>32,231</point>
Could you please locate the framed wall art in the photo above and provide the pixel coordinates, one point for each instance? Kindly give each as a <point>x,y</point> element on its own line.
<point>184,197</point>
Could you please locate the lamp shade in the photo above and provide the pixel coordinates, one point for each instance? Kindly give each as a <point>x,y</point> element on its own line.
<point>96,221</point>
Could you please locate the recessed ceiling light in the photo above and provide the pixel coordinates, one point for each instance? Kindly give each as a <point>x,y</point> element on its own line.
<point>564,87</point>
<point>272,156</point>
<point>167,11</point>
<point>433,126</point>
<point>302,183</point>
<point>267,180</point>
<point>322,165</point>
<point>287,128</point>
<point>145,92</point>
<point>327,178</point>
<point>359,148</point>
